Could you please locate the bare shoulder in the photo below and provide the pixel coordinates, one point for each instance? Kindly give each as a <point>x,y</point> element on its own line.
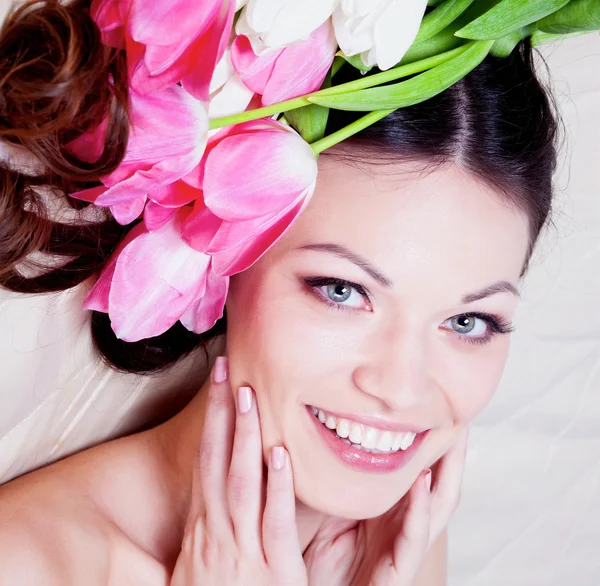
<point>40,546</point>
<point>55,531</point>
<point>434,568</point>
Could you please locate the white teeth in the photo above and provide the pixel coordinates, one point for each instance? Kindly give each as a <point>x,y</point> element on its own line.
<point>343,428</point>
<point>370,438</point>
<point>366,437</point>
<point>384,443</point>
<point>355,433</point>
<point>409,438</point>
<point>397,441</point>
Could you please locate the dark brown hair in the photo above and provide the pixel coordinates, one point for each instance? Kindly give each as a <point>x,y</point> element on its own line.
<point>58,80</point>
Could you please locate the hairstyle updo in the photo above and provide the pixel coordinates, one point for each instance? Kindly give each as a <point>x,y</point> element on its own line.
<point>57,80</point>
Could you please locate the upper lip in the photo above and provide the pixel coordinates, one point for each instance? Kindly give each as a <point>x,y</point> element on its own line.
<point>380,423</point>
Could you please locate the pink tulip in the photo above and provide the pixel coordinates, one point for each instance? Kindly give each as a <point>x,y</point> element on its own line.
<point>256,178</point>
<point>155,279</point>
<point>286,73</point>
<point>166,41</point>
<point>167,141</point>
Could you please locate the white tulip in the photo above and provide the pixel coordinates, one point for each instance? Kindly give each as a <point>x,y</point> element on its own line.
<point>381,31</point>
<point>227,93</point>
<point>274,24</point>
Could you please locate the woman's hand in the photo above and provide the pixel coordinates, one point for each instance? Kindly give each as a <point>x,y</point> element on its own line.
<point>388,550</point>
<point>231,537</point>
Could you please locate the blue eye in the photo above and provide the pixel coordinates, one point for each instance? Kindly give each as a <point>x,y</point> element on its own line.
<point>339,293</point>
<point>478,328</point>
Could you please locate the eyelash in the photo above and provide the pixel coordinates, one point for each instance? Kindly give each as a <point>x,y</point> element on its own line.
<point>497,324</point>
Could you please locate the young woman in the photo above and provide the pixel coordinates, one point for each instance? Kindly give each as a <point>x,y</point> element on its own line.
<point>359,348</point>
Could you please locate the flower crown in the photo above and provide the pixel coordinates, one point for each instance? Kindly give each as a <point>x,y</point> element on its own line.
<point>228,110</point>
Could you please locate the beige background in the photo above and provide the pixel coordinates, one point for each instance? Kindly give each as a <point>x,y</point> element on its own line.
<point>530,511</point>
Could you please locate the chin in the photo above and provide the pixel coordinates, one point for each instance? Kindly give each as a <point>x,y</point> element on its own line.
<point>357,502</point>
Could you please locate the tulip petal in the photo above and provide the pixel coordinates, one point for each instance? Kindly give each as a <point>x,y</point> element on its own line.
<point>110,17</point>
<point>254,70</point>
<point>174,195</point>
<point>272,168</point>
<point>156,216</point>
<point>128,211</point>
<point>156,22</point>
<point>211,46</point>
<point>97,298</point>
<point>301,68</point>
<point>297,21</point>
<point>203,313</point>
<point>89,195</point>
<point>233,98</point>
<point>242,257</point>
<point>156,278</point>
<point>396,30</point>
<point>200,227</point>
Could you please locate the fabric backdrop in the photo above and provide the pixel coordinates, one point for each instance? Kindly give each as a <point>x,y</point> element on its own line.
<point>530,510</point>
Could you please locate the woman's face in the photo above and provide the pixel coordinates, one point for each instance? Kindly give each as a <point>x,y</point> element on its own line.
<point>362,311</point>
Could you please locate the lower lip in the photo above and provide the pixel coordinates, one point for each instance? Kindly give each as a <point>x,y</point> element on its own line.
<point>366,461</point>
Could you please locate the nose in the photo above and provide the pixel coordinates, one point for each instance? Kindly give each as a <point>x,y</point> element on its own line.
<point>394,369</point>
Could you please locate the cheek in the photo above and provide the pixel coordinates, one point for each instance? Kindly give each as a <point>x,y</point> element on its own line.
<point>473,378</point>
<point>286,341</point>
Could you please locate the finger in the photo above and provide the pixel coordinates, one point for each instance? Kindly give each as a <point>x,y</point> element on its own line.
<point>411,544</point>
<point>214,454</point>
<point>447,484</point>
<point>280,534</point>
<point>244,485</point>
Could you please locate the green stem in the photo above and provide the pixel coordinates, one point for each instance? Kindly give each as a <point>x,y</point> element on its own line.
<point>359,84</point>
<point>327,142</point>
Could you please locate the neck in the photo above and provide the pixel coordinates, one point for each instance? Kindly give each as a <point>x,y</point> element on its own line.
<point>178,440</point>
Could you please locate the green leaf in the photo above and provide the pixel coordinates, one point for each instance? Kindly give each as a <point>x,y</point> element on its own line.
<point>540,38</point>
<point>578,15</point>
<point>504,47</point>
<point>438,19</point>
<point>310,121</point>
<point>412,91</point>
<point>356,62</point>
<point>508,16</point>
<point>434,2</point>
<point>443,41</point>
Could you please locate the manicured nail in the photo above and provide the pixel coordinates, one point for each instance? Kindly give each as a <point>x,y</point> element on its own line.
<point>244,399</point>
<point>428,479</point>
<point>220,369</point>
<point>278,457</point>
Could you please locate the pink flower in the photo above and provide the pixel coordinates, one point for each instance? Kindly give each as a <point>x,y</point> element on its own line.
<point>286,73</point>
<point>166,40</point>
<point>155,279</point>
<point>167,140</point>
<point>256,178</point>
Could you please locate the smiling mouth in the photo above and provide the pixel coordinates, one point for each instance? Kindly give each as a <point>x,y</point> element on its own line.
<point>375,450</point>
<point>364,437</point>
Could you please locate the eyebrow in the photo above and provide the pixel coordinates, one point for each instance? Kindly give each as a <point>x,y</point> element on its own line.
<point>358,260</point>
<point>343,252</point>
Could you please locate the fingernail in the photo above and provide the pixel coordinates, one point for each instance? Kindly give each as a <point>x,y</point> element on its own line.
<point>428,479</point>
<point>220,369</point>
<point>244,399</point>
<point>278,457</point>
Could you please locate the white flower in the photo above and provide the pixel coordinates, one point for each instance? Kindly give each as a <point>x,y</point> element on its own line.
<point>227,93</point>
<point>274,24</point>
<point>381,31</point>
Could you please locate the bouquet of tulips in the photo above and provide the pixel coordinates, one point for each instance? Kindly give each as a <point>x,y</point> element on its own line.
<point>219,85</point>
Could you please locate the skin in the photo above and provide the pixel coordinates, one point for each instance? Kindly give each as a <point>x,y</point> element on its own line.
<point>437,237</point>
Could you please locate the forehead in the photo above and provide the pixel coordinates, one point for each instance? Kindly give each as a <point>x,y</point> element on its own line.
<point>404,219</point>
